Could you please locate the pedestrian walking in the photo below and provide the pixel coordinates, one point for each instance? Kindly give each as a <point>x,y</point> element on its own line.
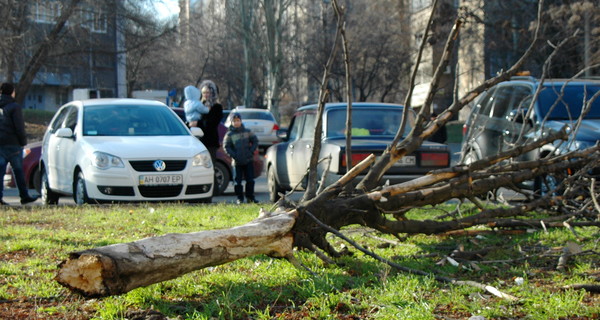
<point>12,140</point>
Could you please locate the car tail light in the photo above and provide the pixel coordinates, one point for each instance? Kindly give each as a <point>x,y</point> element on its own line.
<point>434,159</point>
<point>275,127</point>
<point>356,158</point>
<point>464,130</point>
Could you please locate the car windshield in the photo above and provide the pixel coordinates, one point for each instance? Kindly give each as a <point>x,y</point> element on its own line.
<point>570,103</point>
<point>367,122</point>
<point>131,120</point>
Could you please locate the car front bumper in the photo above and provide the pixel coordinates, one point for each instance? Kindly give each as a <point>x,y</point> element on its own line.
<point>112,186</point>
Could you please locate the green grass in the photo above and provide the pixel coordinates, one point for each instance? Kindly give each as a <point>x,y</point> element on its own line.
<point>36,239</point>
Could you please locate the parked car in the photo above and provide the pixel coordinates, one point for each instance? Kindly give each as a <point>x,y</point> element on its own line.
<point>31,168</point>
<point>223,168</point>
<point>504,111</point>
<point>261,122</point>
<point>373,128</point>
<point>123,150</point>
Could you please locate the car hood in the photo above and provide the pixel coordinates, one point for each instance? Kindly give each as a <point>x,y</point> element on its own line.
<point>588,131</point>
<point>147,147</point>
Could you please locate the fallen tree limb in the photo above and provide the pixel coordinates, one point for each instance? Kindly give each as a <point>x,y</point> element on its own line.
<point>119,268</point>
<point>487,288</point>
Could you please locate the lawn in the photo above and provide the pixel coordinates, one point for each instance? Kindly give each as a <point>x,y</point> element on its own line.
<point>523,264</point>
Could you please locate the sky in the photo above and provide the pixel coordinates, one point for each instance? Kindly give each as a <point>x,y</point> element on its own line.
<point>166,8</point>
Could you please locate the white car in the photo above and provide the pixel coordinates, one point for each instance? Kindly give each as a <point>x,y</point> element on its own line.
<point>112,150</point>
<point>261,122</point>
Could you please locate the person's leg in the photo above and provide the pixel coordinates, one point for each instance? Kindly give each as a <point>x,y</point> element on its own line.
<point>249,172</point>
<point>16,163</point>
<point>239,188</point>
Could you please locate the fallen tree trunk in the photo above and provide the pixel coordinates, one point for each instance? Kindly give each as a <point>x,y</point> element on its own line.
<point>119,268</point>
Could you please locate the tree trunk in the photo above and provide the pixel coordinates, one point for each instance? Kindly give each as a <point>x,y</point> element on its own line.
<point>119,268</point>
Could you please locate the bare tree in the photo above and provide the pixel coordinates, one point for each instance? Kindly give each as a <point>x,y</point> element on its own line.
<point>109,270</point>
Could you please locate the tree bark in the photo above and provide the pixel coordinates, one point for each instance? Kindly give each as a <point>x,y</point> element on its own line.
<point>119,268</point>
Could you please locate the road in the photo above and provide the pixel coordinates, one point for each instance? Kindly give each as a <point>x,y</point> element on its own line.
<point>11,195</point>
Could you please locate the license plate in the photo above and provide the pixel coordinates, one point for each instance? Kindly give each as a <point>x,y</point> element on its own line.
<point>258,130</point>
<point>161,179</point>
<point>406,161</point>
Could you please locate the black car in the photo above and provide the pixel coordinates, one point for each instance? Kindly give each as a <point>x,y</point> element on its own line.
<point>510,114</point>
<point>374,126</point>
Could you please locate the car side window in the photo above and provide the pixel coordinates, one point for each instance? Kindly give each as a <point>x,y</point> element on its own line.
<point>60,118</point>
<point>308,129</point>
<point>501,101</point>
<point>486,103</point>
<point>295,127</point>
<point>71,120</point>
<point>520,93</point>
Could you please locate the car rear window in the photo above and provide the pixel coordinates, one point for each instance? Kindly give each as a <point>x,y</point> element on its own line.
<point>568,105</point>
<point>367,122</point>
<point>131,120</point>
<point>258,115</point>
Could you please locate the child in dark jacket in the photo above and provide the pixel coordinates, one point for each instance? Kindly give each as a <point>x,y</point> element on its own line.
<point>240,144</point>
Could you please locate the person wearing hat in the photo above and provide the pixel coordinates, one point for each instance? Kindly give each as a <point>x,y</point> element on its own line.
<point>12,140</point>
<point>240,144</point>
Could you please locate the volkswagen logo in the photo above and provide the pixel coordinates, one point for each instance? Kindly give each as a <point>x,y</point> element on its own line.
<point>159,165</point>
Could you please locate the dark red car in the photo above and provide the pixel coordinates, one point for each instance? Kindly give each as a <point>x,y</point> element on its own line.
<point>31,166</point>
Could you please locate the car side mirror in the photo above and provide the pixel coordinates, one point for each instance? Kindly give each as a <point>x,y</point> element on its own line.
<point>282,134</point>
<point>197,132</point>
<point>64,133</point>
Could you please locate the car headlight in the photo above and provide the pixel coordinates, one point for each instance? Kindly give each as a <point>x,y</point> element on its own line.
<point>105,161</point>
<point>202,159</point>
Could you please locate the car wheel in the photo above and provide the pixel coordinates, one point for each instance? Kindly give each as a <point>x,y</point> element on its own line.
<point>222,178</point>
<point>274,188</point>
<point>80,195</point>
<point>35,179</point>
<point>470,157</point>
<point>48,196</point>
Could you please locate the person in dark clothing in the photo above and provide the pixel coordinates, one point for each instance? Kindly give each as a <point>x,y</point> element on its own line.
<point>240,144</point>
<point>210,121</point>
<point>12,140</point>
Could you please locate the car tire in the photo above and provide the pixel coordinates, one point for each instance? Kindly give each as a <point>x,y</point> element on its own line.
<point>48,196</point>
<point>80,195</point>
<point>36,179</point>
<point>222,178</point>
<point>470,156</point>
<point>274,187</point>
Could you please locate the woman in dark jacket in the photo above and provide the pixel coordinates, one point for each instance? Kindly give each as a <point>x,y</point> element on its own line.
<point>210,121</point>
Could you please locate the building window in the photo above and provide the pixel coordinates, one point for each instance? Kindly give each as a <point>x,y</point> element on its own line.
<point>95,20</point>
<point>44,11</point>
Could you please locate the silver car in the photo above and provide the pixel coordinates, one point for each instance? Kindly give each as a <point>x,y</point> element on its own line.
<point>261,122</point>
<point>374,126</point>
